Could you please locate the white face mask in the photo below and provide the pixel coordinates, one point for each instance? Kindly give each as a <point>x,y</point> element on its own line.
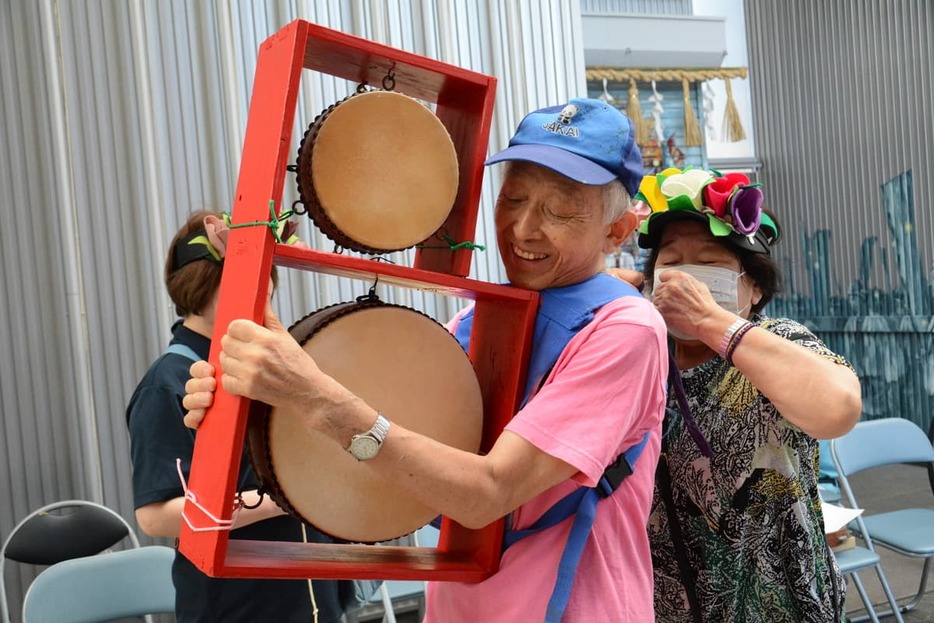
<point>723,283</point>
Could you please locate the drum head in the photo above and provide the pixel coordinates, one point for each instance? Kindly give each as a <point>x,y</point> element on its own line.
<point>400,362</point>
<point>378,172</point>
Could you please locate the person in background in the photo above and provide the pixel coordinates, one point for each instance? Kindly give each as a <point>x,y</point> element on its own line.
<point>158,438</point>
<point>595,393</point>
<point>737,532</point>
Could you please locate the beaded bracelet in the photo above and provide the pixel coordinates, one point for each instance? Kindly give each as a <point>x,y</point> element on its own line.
<point>728,336</point>
<point>734,342</point>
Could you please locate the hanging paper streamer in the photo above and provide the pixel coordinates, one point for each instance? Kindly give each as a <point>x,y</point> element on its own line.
<point>657,110</point>
<point>692,133</point>
<point>708,106</point>
<point>605,96</point>
<point>634,112</point>
<point>732,125</point>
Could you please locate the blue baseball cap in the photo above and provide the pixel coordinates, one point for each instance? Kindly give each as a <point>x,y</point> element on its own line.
<point>586,140</point>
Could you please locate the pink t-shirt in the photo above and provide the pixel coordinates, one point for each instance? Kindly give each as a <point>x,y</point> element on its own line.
<point>606,390</point>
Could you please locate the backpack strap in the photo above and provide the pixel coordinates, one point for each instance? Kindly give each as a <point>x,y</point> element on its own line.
<point>676,384</point>
<point>688,577</point>
<point>612,477</point>
<point>582,505</point>
<point>180,349</point>
<point>663,485</point>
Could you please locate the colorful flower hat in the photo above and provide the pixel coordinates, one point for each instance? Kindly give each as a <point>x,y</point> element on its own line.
<point>730,205</point>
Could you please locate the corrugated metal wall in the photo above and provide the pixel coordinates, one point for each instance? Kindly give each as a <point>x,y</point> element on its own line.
<point>645,7</point>
<point>119,117</point>
<point>842,95</point>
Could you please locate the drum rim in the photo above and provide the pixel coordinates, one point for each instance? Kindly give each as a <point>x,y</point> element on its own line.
<point>259,421</point>
<point>307,194</point>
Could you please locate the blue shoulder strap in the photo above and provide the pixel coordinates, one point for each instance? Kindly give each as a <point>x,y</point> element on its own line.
<point>180,349</point>
<point>562,313</point>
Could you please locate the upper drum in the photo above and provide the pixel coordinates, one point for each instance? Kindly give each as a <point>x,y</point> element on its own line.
<point>377,172</point>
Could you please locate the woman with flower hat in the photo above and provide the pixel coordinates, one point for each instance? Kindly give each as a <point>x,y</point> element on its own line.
<point>736,528</point>
<point>158,438</point>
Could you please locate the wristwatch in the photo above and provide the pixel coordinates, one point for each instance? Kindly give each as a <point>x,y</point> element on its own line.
<point>364,446</point>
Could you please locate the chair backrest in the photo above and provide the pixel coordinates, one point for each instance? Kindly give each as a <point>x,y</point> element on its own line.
<point>127,583</point>
<point>61,531</point>
<point>874,443</point>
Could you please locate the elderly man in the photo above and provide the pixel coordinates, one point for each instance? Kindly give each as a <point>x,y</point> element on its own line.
<point>595,396</point>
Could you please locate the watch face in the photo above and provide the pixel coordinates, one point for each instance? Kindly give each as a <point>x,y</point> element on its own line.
<point>364,447</point>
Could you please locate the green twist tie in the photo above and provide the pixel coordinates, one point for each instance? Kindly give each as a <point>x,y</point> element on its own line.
<point>273,222</point>
<point>453,245</point>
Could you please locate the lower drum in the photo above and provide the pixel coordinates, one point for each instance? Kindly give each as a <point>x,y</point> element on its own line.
<point>400,362</point>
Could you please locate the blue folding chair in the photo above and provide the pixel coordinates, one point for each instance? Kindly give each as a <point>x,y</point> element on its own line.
<point>132,582</point>
<point>908,531</point>
<point>827,475</point>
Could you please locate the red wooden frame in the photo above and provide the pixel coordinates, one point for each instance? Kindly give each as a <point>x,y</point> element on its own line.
<point>503,324</point>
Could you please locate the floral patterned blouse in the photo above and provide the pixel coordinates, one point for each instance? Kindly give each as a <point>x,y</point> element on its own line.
<point>750,522</point>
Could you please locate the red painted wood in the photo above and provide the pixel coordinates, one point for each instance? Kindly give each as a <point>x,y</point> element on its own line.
<point>504,318</point>
<point>244,285</point>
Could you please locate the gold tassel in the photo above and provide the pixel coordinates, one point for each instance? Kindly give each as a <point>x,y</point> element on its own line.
<point>732,125</point>
<point>634,112</point>
<point>692,134</point>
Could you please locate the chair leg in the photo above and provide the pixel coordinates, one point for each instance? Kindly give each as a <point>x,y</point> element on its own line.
<point>389,615</point>
<point>897,610</point>
<point>921,588</point>
<point>893,604</point>
<point>871,613</point>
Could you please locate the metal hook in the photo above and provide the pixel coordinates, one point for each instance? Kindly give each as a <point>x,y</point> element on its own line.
<point>262,493</point>
<point>298,207</point>
<point>389,81</point>
<point>371,293</point>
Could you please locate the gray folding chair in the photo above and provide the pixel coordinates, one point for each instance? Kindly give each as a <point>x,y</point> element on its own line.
<point>61,531</point>
<point>104,587</point>
<point>907,531</point>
